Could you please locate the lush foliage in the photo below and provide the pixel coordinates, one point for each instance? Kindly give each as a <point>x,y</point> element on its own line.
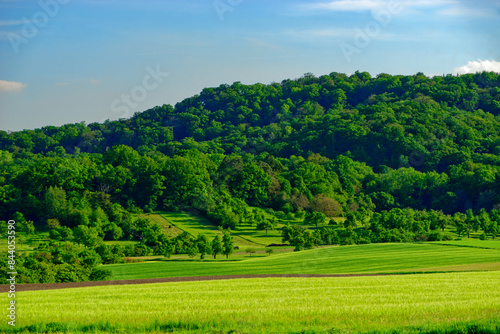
<point>401,158</point>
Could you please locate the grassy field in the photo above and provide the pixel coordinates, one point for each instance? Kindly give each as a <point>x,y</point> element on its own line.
<point>167,227</point>
<point>409,303</point>
<point>473,243</point>
<point>244,235</point>
<point>374,258</point>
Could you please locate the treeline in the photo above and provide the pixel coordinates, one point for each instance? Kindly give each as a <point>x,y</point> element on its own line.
<point>396,225</point>
<point>86,189</point>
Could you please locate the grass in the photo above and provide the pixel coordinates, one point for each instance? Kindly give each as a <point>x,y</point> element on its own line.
<point>373,258</point>
<point>244,235</point>
<point>167,227</point>
<point>410,303</point>
<point>490,243</point>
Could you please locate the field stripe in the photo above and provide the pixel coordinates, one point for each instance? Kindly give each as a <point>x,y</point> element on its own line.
<point>72,285</point>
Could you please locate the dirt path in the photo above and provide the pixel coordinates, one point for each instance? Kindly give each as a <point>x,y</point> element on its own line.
<point>53,286</point>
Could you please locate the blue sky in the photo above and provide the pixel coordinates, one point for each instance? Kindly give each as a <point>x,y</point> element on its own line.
<point>67,61</point>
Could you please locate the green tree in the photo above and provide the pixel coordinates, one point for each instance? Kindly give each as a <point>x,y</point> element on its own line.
<point>203,245</point>
<point>471,222</point>
<point>87,236</point>
<point>192,250</point>
<point>315,218</point>
<point>267,224</point>
<point>169,250</point>
<point>350,220</point>
<point>459,221</point>
<point>250,250</point>
<point>27,226</point>
<point>216,246</point>
<point>294,234</point>
<point>227,244</point>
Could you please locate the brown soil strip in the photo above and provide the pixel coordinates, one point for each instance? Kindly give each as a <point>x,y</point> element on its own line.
<point>53,286</point>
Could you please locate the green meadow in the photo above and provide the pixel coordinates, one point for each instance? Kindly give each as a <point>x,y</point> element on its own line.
<point>243,235</point>
<point>382,304</point>
<point>373,258</point>
<point>472,243</point>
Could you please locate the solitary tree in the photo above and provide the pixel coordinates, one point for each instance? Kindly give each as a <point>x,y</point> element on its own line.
<point>315,218</point>
<point>267,224</point>
<point>203,245</point>
<point>216,246</point>
<point>192,251</point>
<point>459,220</point>
<point>471,222</point>
<point>227,244</point>
<point>250,250</point>
<point>169,250</point>
<point>295,235</point>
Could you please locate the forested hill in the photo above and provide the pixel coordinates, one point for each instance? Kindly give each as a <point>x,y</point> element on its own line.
<point>448,127</point>
<point>394,121</point>
<point>402,156</point>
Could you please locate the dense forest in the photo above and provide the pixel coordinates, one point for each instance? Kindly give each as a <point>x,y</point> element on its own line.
<point>400,157</point>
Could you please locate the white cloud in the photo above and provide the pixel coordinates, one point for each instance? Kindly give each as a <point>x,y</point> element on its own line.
<point>11,86</point>
<point>94,81</point>
<point>471,11</point>
<point>478,66</point>
<point>366,5</point>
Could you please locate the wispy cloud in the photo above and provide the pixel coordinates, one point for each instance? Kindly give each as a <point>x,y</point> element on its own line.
<point>319,33</point>
<point>367,5</point>
<point>11,86</point>
<point>478,66</point>
<point>476,10</point>
<point>4,23</point>
<point>94,81</point>
<point>342,33</point>
<point>468,12</point>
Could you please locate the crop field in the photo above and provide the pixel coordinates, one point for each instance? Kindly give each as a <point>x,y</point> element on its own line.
<point>373,258</point>
<point>408,303</point>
